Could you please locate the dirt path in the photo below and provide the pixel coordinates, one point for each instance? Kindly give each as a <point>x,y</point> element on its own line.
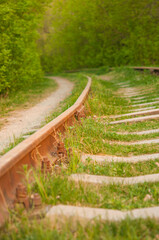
<point>25,121</point>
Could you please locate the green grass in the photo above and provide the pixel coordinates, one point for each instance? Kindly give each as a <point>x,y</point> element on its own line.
<point>128,138</point>
<point>103,95</point>
<point>146,100</point>
<point>105,132</point>
<point>118,169</point>
<point>12,145</point>
<point>127,229</point>
<point>134,127</point>
<point>60,190</point>
<point>89,138</point>
<point>148,97</point>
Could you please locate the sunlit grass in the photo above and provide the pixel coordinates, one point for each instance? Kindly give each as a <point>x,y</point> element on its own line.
<point>118,169</point>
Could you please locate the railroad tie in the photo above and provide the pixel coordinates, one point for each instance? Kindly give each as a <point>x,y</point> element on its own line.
<point>149,141</point>
<point>137,101</point>
<point>148,112</point>
<point>105,180</point>
<point>87,214</point>
<point>145,104</point>
<point>138,119</point>
<point>139,133</point>
<point>107,158</point>
<point>143,109</point>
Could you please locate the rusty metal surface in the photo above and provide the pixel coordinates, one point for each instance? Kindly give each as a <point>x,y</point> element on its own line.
<point>31,152</point>
<point>37,202</point>
<point>146,68</point>
<point>153,70</point>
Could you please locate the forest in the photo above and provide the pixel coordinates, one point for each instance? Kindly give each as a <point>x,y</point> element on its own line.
<point>39,37</point>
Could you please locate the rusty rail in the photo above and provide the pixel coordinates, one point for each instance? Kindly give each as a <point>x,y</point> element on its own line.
<point>151,69</point>
<point>42,142</point>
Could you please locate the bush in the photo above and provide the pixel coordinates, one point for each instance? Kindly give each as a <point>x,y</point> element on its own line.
<point>101,32</point>
<point>19,58</point>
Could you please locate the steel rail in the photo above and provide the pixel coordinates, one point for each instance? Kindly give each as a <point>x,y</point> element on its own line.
<point>11,164</point>
<point>151,69</point>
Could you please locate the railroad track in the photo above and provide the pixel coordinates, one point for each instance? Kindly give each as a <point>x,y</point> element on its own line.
<point>46,142</point>
<point>26,153</point>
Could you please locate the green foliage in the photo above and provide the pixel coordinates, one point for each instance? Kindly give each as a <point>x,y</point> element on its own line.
<point>19,59</point>
<point>100,32</point>
<point>74,36</point>
<point>27,229</point>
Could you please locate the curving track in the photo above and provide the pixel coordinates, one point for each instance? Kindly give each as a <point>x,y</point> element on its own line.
<point>45,140</point>
<point>26,152</point>
<point>88,214</point>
